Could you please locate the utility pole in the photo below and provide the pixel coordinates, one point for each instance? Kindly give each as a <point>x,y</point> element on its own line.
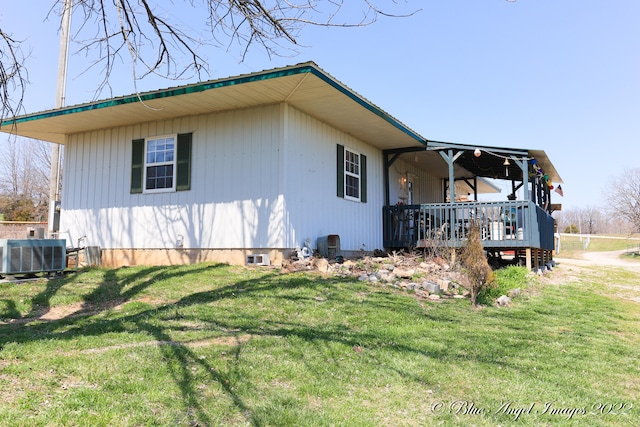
<point>56,150</point>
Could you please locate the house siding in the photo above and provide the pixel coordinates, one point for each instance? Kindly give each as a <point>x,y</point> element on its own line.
<point>313,207</point>
<point>426,188</point>
<point>235,199</point>
<point>261,178</point>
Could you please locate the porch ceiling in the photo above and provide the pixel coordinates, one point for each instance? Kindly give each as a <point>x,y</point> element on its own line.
<point>304,86</point>
<point>490,163</point>
<point>432,162</point>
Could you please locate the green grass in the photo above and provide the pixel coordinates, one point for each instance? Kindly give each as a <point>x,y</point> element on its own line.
<point>507,279</point>
<point>572,246</point>
<point>217,345</point>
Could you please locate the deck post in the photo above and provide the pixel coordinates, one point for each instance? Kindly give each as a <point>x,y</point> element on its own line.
<point>524,165</point>
<point>528,258</point>
<point>450,158</point>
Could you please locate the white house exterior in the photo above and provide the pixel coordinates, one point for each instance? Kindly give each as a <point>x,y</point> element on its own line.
<point>262,168</point>
<point>265,162</point>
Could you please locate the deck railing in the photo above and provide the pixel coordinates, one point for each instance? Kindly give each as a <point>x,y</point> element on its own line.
<point>511,224</point>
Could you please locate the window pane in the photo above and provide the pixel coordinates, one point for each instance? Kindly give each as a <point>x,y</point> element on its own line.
<point>352,162</point>
<point>159,177</point>
<point>352,174</point>
<point>352,186</point>
<point>160,156</point>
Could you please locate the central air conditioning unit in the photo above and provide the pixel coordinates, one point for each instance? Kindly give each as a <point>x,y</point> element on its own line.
<point>32,256</point>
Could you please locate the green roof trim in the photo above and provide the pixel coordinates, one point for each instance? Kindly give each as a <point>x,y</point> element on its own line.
<point>159,94</point>
<point>215,84</point>
<point>366,104</point>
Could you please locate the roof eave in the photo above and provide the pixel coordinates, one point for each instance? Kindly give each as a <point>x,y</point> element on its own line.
<point>25,125</point>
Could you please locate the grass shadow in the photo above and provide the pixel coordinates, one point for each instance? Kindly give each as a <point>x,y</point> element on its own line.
<point>294,308</point>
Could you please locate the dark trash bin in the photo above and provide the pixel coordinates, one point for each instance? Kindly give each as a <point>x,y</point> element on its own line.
<point>329,246</point>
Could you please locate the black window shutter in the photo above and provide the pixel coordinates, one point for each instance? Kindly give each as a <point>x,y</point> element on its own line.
<point>363,178</point>
<point>137,165</point>
<point>183,164</point>
<point>340,171</point>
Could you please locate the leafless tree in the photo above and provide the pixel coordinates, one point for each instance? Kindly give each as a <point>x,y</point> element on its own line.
<point>590,219</point>
<point>567,220</point>
<point>623,197</point>
<point>24,178</point>
<point>145,35</point>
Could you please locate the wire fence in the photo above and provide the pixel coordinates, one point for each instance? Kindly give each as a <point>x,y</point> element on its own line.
<point>598,243</point>
<point>633,250</point>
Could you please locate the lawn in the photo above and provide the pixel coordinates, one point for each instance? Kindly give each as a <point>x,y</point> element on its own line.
<point>573,246</point>
<point>211,344</point>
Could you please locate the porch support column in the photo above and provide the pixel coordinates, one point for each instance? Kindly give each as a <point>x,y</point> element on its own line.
<point>450,158</point>
<point>475,188</point>
<point>524,166</point>
<point>387,164</point>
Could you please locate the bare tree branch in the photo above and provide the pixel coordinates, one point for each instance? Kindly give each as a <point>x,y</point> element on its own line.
<point>24,178</point>
<point>13,76</point>
<point>153,41</point>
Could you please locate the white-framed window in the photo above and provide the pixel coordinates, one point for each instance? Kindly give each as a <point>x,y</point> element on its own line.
<point>351,175</point>
<point>160,164</point>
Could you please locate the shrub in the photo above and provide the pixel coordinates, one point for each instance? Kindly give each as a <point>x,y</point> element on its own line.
<point>475,265</point>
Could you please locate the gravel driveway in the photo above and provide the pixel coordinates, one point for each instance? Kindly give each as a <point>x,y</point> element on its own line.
<point>608,259</point>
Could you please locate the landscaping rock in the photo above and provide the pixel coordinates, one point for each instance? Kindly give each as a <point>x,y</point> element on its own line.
<point>405,273</point>
<point>348,264</point>
<point>433,297</point>
<point>429,267</point>
<point>503,301</point>
<point>444,284</point>
<point>432,288</point>
<point>422,294</point>
<point>322,265</point>
<point>384,276</point>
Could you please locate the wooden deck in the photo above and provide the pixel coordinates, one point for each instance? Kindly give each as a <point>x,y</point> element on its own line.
<point>511,225</point>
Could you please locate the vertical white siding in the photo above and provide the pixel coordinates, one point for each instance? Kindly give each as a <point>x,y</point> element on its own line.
<point>260,178</point>
<point>313,207</point>
<point>426,187</point>
<point>235,199</point>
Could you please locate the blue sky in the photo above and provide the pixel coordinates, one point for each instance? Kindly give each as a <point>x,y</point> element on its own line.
<point>562,76</point>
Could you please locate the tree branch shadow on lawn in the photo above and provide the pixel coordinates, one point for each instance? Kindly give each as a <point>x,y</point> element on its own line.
<point>114,290</point>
